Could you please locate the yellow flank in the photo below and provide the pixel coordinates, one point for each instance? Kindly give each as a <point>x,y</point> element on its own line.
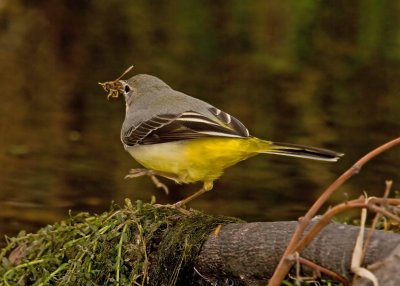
<point>203,159</point>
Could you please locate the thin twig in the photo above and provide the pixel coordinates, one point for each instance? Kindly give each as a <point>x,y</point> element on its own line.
<point>385,212</point>
<point>356,259</point>
<point>324,270</point>
<point>359,203</point>
<point>377,217</point>
<point>119,254</point>
<point>284,265</point>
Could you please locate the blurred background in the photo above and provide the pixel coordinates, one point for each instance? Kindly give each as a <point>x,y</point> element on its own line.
<point>322,73</point>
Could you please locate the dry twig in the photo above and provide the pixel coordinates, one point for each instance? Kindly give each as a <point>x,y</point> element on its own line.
<point>284,264</point>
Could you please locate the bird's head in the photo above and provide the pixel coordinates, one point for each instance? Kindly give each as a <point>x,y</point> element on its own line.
<point>136,85</point>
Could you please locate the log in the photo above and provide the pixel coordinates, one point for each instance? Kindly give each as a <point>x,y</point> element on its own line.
<point>387,271</point>
<point>249,252</point>
<point>166,246</point>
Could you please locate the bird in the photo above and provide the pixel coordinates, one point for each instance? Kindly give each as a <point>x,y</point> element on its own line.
<point>185,139</point>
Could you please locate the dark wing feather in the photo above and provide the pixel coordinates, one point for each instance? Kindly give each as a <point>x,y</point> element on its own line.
<point>230,122</point>
<point>136,134</point>
<point>188,125</point>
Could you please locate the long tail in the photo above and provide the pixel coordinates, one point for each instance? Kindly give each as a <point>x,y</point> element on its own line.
<point>300,151</point>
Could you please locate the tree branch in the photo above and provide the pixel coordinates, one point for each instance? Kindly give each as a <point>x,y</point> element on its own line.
<point>284,264</point>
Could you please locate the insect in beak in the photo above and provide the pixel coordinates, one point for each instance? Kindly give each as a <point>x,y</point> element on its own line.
<point>114,87</point>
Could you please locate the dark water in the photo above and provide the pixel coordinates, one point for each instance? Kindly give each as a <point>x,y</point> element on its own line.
<point>323,73</point>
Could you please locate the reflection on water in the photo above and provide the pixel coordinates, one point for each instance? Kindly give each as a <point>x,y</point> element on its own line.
<point>298,71</point>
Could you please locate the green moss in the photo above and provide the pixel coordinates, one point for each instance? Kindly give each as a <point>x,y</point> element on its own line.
<point>142,244</point>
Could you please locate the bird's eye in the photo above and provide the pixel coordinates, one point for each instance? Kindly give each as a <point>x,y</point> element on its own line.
<point>127,89</point>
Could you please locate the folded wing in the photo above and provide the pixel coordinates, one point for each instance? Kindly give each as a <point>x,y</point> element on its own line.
<point>187,125</point>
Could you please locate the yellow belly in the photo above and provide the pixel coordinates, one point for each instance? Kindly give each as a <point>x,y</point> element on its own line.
<point>193,160</point>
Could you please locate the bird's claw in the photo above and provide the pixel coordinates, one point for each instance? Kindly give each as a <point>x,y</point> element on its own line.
<point>173,206</point>
<point>134,173</point>
<point>158,184</point>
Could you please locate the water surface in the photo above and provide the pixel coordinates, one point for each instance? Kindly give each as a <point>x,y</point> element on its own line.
<point>309,72</point>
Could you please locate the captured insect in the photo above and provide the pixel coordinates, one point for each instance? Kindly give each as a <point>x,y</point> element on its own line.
<point>114,87</point>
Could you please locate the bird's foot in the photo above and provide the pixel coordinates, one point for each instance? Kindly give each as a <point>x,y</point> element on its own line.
<point>173,206</point>
<point>179,204</point>
<point>134,173</point>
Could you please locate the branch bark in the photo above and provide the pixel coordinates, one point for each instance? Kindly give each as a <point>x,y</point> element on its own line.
<point>250,252</point>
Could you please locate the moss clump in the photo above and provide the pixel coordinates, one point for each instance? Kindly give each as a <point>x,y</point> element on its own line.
<point>139,244</point>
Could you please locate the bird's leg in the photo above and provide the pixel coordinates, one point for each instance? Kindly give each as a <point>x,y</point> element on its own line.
<point>134,173</point>
<point>207,186</point>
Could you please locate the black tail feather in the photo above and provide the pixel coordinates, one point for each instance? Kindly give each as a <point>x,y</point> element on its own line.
<point>302,151</point>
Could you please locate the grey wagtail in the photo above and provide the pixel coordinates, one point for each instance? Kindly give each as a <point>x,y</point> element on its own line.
<point>182,138</point>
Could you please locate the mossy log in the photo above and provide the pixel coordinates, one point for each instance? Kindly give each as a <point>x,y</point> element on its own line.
<point>144,244</point>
